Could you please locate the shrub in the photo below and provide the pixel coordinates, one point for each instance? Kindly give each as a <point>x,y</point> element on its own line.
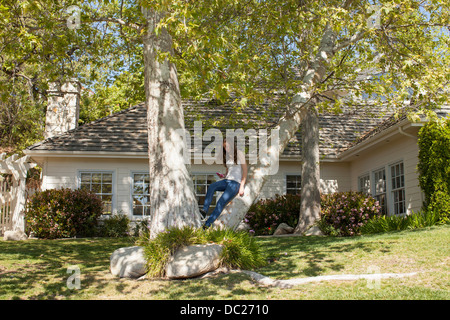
<point>115,226</point>
<point>240,250</point>
<point>265,215</point>
<point>397,223</point>
<point>434,166</point>
<point>63,213</point>
<point>141,228</point>
<point>344,213</point>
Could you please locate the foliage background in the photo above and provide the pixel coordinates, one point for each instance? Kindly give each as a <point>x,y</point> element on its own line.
<point>434,166</point>
<point>243,51</point>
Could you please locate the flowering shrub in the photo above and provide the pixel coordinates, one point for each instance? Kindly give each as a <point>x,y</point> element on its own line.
<point>344,213</point>
<point>63,213</point>
<point>265,215</point>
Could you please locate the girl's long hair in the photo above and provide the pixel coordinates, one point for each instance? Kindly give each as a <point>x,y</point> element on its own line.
<point>224,154</point>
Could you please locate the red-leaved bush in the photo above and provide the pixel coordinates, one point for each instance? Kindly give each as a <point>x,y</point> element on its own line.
<point>63,213</point>
<point>342,213</point>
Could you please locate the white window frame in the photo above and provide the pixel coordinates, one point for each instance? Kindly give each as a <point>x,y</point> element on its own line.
<point>395,205</point>
<point>132,194</point>
<point>218,194</point>
<point>286,181</point>
<point>365,189</point>
<point>113,185</point>
<point>376,193</point>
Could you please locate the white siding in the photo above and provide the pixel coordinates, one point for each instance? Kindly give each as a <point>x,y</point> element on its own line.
<point>335,176</point>
<point>398,149</point>
<point>63,173</point>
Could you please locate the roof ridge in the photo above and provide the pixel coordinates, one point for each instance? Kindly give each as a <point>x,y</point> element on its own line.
<point>69,132</point>
<point>109,117</point>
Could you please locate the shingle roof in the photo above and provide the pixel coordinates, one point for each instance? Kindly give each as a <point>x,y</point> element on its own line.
<point>126,131</point>
<point>393,119</point>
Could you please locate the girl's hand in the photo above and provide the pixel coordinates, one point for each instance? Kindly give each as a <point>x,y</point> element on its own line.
<point>241,191</point>
<point>220,175</point>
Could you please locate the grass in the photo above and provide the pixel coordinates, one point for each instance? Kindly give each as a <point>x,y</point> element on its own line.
<point>37,269</point>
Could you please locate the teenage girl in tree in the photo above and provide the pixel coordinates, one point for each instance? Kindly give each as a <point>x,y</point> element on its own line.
<point>234,182</point>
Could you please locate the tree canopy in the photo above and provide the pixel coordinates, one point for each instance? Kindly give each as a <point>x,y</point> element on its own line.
<point>247,51</point>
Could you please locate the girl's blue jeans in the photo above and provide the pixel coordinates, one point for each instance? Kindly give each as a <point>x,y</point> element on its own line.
<point>230,189</point>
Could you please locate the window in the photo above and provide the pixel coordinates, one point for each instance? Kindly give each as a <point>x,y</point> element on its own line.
<point>364,184</point>
<point>140,194</point>
<point>201,183</point>
<point>379,178</point>
<point>293,184</point>
<point>398,188</point>
<point>101,184</point>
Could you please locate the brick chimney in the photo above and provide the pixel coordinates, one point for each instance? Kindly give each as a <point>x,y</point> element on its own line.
<point>63,108</point>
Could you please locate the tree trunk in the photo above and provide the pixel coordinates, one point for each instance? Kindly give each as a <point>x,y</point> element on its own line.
<point>310,193</point>
<point>172,197</point>
<point>288,126</point>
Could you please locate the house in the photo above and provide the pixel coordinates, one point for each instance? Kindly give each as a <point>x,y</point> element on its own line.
<point>376,155</point>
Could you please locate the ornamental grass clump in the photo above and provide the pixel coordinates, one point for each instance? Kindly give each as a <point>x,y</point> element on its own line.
<point>422,219</point>
<point>345,213</point>
<point>240,250</point>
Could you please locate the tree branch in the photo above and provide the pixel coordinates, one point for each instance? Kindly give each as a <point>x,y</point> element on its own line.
<point>355,38</point>
<point>122,22</point>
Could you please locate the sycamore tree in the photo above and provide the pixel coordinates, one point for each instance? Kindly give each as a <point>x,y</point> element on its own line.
<point>302,57</point>
<point>308,56</point>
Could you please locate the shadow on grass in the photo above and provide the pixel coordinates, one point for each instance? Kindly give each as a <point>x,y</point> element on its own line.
<point>223,286</point>
<point>313,255</point>
<point>37,269</point>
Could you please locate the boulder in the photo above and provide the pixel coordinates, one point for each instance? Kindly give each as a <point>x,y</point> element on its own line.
<point>128,262</point>
<point>193,261</point>
<point>15,235</point>
<point>283,228</point>
<point>243,226</point>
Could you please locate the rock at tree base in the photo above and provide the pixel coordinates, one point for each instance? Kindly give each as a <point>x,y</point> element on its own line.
<point>128,262</point>
<point>283,228</point>
<point>15,235</point>
<point>193,261</point>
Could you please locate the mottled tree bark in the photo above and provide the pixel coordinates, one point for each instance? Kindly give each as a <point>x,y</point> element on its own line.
<point>172,198</point>
<point>310,193</point>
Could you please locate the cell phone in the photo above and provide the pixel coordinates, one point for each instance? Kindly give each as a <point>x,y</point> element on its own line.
<point>220,175</point>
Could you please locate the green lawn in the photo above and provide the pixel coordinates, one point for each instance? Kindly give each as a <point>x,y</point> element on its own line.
<point>37,269</point>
